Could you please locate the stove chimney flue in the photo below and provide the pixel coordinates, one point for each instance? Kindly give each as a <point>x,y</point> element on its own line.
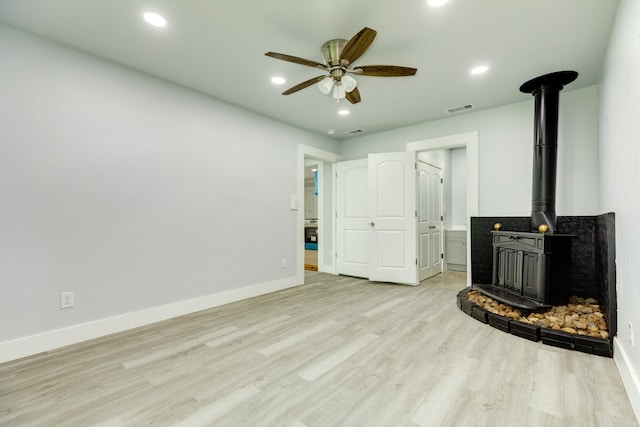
<point>546,90</point>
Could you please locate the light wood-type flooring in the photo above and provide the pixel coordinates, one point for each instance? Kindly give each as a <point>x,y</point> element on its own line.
<point>338,351</point>
<point>311,260</point>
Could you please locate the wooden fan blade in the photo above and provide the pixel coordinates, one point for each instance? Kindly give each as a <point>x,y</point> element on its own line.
<point>303,85</point>
<point>296,60</point>
<point>357,45</point>
<point>353,96</point>
<point>384,71</point>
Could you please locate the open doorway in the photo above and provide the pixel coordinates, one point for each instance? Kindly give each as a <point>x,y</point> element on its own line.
<point>313,170</point>
<point>324,228</point>
<point>463,149</point>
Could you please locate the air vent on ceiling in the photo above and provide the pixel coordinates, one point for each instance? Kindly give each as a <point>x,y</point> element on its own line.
<point>353,132</point>
<point>461,108</point>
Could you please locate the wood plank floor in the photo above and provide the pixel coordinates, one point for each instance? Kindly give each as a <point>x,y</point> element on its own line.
<point>311,260</point>
<point>337,351</point>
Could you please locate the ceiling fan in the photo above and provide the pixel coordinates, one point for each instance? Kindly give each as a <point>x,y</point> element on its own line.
<point>338,56</point>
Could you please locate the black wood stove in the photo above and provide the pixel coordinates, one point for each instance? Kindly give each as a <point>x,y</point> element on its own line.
<point>531,270</point>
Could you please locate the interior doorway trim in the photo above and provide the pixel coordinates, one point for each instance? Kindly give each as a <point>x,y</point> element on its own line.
<point>305,151</point>
<point>469,141</point>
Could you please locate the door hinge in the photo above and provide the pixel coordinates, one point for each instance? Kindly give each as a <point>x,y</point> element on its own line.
<point>416,212</point>
<point>441,218</point>
<point>441,181</point>
<point>416,261</point>
<point>441,256</point>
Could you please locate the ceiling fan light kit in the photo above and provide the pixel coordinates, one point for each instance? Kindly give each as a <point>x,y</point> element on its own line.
<point>325,85</point>
<point>346,84</point>
<point>338,55</point>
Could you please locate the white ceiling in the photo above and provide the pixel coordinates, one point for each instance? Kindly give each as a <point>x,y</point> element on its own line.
<point>217,48</point>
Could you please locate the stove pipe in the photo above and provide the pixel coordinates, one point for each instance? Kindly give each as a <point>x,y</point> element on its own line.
<point>546,90</point>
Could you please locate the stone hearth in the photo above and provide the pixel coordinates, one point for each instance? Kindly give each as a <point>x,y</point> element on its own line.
<point>579,325</point>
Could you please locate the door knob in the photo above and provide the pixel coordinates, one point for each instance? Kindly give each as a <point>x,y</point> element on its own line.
<point>372,224</point>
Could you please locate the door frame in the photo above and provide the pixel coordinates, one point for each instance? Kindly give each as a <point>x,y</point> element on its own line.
<point>469,141</point>
<point>305,151</point>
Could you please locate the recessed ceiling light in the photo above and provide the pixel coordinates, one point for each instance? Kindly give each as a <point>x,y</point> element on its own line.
<point>331,131</point>
<point>154,19</point>
<point>344,112</point>
<point>436,3</point>
<point>479,69</point>
<point>278,80</point>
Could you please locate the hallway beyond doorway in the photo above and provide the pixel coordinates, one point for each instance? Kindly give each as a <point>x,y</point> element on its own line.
<point>310,260</point>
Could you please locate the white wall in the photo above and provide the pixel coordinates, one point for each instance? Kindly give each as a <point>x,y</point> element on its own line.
<point>130,191</point>
<point>620,175</point>
<point>505,148</point>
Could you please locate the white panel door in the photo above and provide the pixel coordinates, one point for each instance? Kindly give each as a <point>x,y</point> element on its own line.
<point>392,214</point>
<point>430,234</point>
<point>352,258</point>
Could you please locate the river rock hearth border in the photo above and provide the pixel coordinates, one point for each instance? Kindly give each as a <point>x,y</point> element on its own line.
<point>582,343</point>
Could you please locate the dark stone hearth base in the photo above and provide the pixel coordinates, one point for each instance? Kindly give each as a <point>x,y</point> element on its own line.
<point>582,343</point>
<point>465,305</point>
<point>585,344</point>
<point>480,314</point>
<point>524,330</point>
<point>499,322</point>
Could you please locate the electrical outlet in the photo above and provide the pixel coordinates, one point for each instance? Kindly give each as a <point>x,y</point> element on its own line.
<point>631,334</point>
<point>67,300</point>
<point>284,263</point>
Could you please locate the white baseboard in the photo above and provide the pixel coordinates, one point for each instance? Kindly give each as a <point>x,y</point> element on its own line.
<point>629,376</point>
<point>49,340</point>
